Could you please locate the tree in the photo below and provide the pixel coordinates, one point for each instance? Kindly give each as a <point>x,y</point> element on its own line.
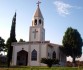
<point>72,43</point>
<point>11,40</point>
<point>2,44</point>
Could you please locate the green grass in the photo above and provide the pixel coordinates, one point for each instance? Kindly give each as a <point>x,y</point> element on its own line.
<point>43,68</point>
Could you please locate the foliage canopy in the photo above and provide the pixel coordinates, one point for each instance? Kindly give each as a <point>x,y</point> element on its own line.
<point>72,43</point>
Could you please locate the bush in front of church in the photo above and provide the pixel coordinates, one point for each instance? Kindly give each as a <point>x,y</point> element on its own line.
<point>49,61</point>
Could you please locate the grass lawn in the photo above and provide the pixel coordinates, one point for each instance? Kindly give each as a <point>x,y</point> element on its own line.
<point>43,68</point>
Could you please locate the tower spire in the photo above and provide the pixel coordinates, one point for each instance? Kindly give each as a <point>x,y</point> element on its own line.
<point>38,11</point>
<point>38,18</point>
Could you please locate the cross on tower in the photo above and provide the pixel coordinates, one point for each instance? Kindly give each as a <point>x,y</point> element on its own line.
<point>38,3</point>
<point>35,33</point>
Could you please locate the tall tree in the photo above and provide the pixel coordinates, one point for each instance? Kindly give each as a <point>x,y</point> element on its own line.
<point>72,43</point>
<point>2,44</point>
<point>11,39</point>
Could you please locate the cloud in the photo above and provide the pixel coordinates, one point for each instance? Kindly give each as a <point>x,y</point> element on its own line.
<point>81,58</point>
<point>70,59</point>
<point>62,8</point>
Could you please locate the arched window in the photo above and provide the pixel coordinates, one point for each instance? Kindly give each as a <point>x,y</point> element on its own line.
<point>35,21</point>
<point>39,21</point>
<point>54,55</point>
<point>34,55</point>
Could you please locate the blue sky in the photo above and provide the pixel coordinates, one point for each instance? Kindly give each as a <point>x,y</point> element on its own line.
<point>58,16</point>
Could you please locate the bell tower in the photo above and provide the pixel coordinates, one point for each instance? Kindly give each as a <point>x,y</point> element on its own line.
<point>37,31</point>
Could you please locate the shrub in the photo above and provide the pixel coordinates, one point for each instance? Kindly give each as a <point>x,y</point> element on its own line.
<point>49,61</point>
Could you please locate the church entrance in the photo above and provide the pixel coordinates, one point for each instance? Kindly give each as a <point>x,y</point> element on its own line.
<point>22,58</point>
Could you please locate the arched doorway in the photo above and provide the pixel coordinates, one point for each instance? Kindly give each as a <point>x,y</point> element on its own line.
<point>22,58</point>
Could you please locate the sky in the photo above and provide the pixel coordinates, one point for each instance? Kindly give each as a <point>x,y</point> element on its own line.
<point>58,16</point>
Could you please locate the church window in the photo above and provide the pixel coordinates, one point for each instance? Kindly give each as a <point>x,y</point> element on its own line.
<point>35,21</point>
<point>54,55</point>
<point>34,55</point>
<point>39,21</point>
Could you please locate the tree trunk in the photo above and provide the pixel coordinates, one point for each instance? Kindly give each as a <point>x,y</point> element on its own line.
<point>73,61</point>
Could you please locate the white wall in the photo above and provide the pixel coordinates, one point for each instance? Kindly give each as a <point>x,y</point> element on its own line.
<point>41,49</point>
<point>40,35</point>
<point>42,52</point>
<point>36,47</point>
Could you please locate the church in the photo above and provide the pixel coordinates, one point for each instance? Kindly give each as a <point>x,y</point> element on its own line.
<point>30,53</point>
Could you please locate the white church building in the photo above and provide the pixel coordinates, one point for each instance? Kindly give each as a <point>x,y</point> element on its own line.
<point>30,53</point>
